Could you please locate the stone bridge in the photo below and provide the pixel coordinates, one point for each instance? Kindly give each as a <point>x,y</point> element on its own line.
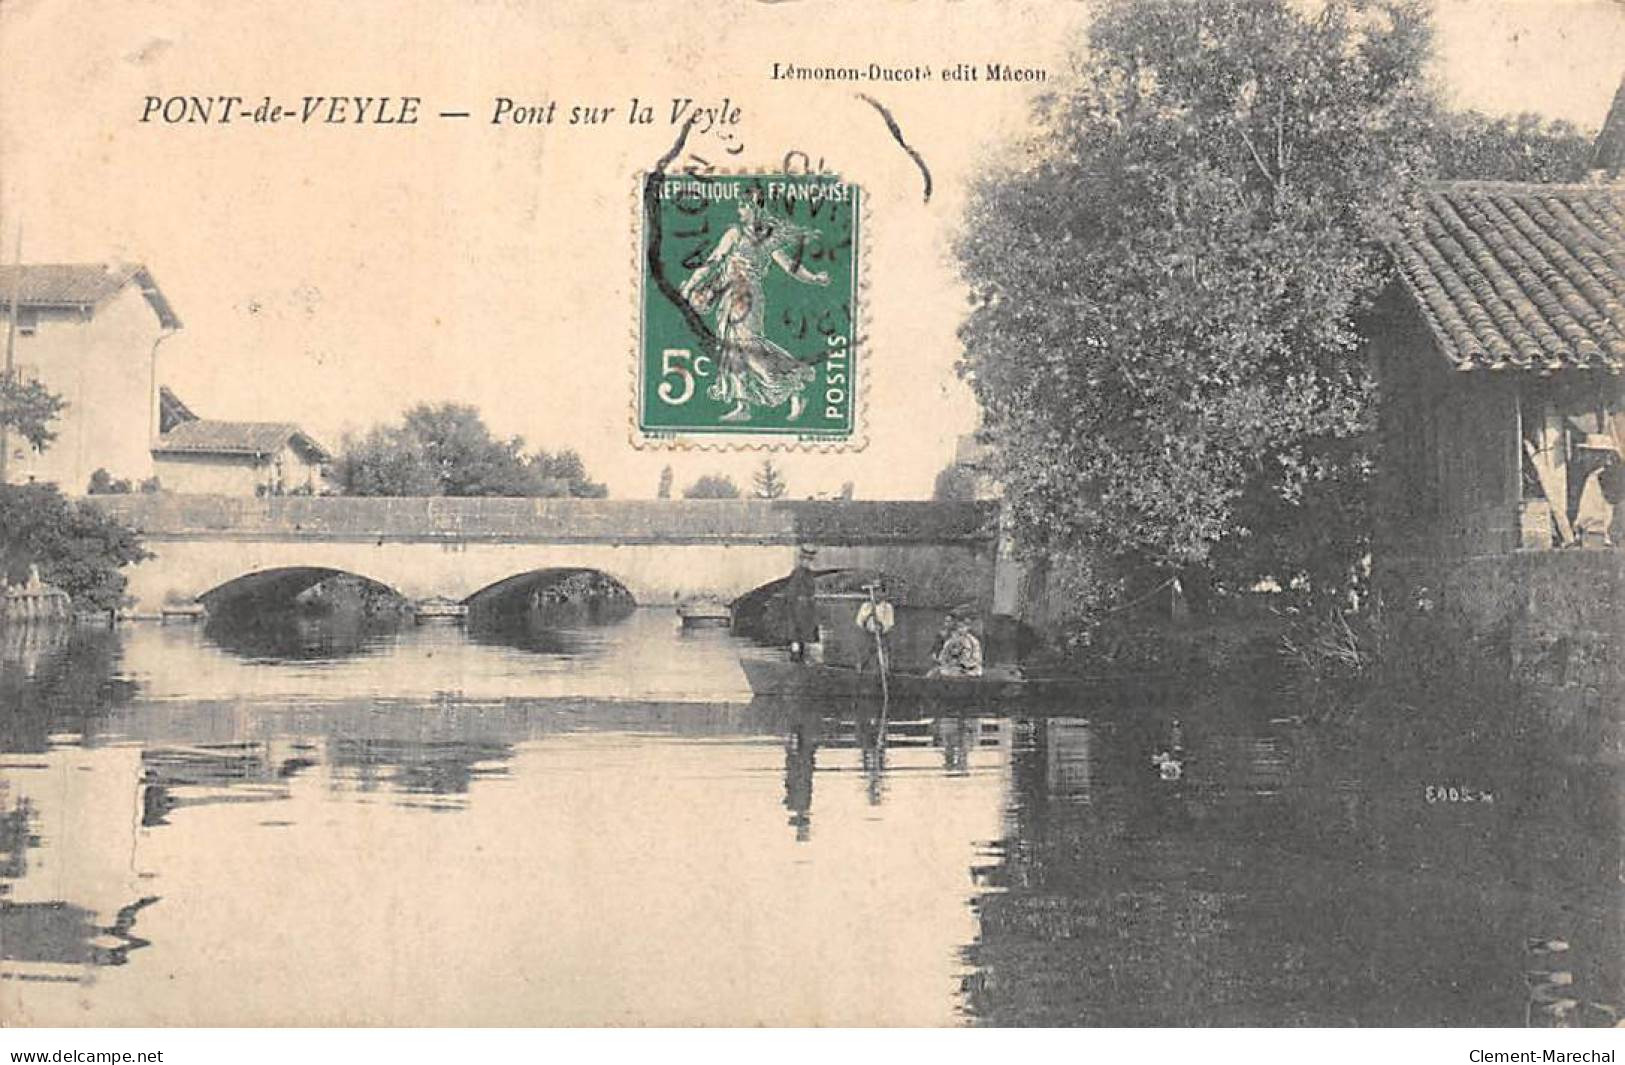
<point>661,550</point>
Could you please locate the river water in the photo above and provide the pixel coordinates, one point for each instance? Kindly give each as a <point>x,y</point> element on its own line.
<point>595,825</point>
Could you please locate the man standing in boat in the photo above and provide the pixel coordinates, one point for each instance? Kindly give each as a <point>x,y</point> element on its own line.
<point>875,618</point>
<point>801,611</point>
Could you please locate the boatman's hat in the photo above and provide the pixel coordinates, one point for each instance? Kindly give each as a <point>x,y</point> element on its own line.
<point>808,551</point>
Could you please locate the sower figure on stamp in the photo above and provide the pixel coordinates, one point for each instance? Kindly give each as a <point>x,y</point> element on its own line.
<point>752,371</point>
<point>801,609</point>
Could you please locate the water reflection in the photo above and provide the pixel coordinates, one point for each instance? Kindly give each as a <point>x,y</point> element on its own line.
<point>68,904</point>
<point>44,934</point>
<point>563,629</point>
<point>57,679</point>
<point>179,822</point>
<point>213,773</point>
<point>415,767</point>
<point>800,761</point>
<point>303,615</point>
<point>294,635</point>
<point>877,738</point>
<point>1281,880</point>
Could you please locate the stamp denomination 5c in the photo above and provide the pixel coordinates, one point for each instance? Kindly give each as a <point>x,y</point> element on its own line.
<point>748,310</point>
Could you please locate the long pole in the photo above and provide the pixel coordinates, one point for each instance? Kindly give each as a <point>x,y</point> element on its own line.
<point>11,355</point>
<point>885,683</point>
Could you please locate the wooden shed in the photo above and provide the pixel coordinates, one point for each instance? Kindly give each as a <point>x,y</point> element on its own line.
<point>1499,356</point>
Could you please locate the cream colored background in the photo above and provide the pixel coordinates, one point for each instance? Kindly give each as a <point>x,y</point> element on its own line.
<point>334,275</point>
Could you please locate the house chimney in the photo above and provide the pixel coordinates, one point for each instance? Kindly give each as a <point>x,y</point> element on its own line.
<point>1608,156</point>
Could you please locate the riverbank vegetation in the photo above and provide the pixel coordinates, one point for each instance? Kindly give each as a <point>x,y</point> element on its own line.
<point>1170,290</point>
<point>73,546</point>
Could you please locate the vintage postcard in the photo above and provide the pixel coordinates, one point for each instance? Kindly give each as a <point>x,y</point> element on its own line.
<point>962,513</point>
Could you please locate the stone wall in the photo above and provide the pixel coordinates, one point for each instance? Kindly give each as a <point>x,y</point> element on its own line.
<point>556,520</point>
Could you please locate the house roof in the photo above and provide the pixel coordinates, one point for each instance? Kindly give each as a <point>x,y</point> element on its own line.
<point>172,411</point>
<point>82,285</point>
<point>1521,276</point>
<point>204,436</point>
<point>1609,151</point>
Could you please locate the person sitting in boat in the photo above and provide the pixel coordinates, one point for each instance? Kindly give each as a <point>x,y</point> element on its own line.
<point>876,618</point>
<point>960,654</point>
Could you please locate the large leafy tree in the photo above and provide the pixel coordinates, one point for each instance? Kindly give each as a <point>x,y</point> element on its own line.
<point>74,545</point>
<point>1167,285</point>
<point>446,449</point>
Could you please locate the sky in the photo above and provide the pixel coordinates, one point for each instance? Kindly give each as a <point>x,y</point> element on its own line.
<point>334,275</point>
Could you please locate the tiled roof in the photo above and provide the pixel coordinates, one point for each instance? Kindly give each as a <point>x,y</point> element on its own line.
<point>1523,276</point>
<point>79,285</point>
<point>207,437</point>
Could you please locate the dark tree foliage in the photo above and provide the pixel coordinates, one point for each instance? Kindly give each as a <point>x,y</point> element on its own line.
<point>28,408</point>
<point>1166,289</point>
<point>103,483</point>
<point>1470,145</point>
<point>446,450</point>
<point>76,547</point>
<point>712,486</point>
<point>954,484</point>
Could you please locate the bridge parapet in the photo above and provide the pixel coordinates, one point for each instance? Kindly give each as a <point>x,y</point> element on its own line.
<point>438,519</point>
<point>660,549</point>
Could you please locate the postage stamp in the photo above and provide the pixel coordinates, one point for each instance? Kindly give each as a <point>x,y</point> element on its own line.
<point>748,310</point>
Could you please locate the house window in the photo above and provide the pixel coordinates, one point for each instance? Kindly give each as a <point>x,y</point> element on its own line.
<point>27,321</point>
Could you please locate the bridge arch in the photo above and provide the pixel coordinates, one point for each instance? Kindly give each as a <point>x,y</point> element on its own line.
<point>284,585</point>
<point>554,585</point>
<point>301,612</point>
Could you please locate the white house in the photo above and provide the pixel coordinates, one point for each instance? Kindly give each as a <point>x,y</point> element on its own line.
<point>90,333</point>
<point>201,456</point>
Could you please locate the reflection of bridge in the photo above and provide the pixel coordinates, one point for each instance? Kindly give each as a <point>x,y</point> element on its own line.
<point>427,547</point>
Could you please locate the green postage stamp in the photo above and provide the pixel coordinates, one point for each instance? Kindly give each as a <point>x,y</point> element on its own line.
<point>748,311</point>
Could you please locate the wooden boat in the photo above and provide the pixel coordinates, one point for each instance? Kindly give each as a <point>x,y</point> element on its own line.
<point>821,683</point>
